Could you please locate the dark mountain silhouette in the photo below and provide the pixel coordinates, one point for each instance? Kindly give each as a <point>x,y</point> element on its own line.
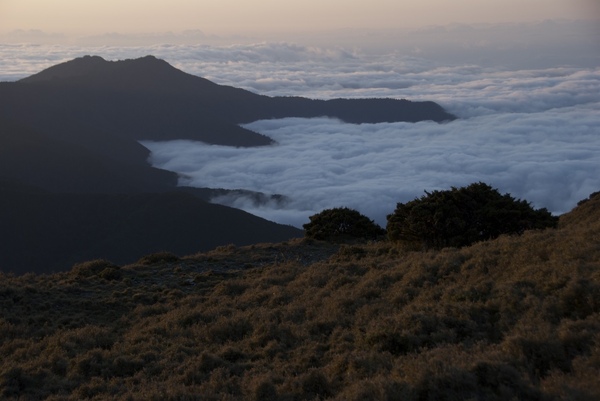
<point>106,107</point>
<point>29,157</point>
<point>45,232</point>
<point>151,77</point>
<point>72,131</point>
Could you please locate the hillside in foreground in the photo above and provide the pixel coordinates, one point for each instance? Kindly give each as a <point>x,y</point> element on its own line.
<point>513,318</point>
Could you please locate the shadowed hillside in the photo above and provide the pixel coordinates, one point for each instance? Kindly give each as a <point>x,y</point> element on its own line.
<point>511,318</point>
<point>35,158</point>
<point>46,232</point>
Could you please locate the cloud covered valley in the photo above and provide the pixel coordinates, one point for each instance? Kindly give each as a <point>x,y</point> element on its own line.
<point>532,132</point>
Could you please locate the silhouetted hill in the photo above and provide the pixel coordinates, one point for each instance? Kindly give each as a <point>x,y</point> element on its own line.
<point>46,232</point>
<point>99,109</point>
<point>32,158</point>
<point>147,75</point>
<point>73,130</point>
<point>151,76</point>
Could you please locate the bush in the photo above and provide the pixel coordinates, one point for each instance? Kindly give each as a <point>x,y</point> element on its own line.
<point>341,223</point>
<point>462,216</point>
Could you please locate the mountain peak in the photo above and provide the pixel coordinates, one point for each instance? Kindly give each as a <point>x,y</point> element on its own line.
<point>78,67</point>
<point>149,73</point>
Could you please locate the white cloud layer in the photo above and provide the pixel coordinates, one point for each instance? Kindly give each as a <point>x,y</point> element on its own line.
<point>550,158</point>
<point>263,65</point>
<point>532,132</point>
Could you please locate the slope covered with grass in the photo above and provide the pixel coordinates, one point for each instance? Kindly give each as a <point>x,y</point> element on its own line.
<point>512,318</point>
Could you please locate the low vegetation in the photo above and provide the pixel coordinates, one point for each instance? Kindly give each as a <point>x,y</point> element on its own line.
<point>341,224</point>
<point>514,318</point>
<point>462,216</point>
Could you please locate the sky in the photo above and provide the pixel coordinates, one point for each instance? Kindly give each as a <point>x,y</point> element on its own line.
<point>230,17</point>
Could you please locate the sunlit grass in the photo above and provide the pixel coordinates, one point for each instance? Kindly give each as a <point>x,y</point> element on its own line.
<point>512,318</point>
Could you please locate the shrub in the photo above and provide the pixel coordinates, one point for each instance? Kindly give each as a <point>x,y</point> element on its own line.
<point>341,223</point>
<point>462,216</point>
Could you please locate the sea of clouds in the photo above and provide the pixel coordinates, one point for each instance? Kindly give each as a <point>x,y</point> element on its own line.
<point>532,131</point>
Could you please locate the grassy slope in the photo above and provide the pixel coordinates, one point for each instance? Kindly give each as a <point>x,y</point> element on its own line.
<point>513,318</point>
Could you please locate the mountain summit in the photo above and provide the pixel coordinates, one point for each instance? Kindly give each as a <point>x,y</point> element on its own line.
<point>146,74</point>
<point>79,67</point>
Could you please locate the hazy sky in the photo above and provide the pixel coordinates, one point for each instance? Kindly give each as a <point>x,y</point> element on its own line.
<point>223,17</point>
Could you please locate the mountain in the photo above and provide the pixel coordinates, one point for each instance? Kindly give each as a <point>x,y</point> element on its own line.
<point>153,77</point>
<point>71,135</point>
<point>100,110</point>
<point>52,163</point>
<point>46,232</point>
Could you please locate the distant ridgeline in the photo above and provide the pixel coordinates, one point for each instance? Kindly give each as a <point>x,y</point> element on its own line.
<point>74,129</point>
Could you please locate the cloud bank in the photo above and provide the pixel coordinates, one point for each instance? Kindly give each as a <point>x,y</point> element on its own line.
<point>533,132</point>
<point>323,163</point>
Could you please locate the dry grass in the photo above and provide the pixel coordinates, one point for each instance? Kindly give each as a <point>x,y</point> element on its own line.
<point>513,318</point>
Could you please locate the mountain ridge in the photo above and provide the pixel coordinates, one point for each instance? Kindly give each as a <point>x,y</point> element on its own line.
<point>73,130</point>
<point>145,74</point>
<point>150,74</point>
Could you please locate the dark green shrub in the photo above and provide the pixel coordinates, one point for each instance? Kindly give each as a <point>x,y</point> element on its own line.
<point>462,216</point>
<point>341,223</point>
